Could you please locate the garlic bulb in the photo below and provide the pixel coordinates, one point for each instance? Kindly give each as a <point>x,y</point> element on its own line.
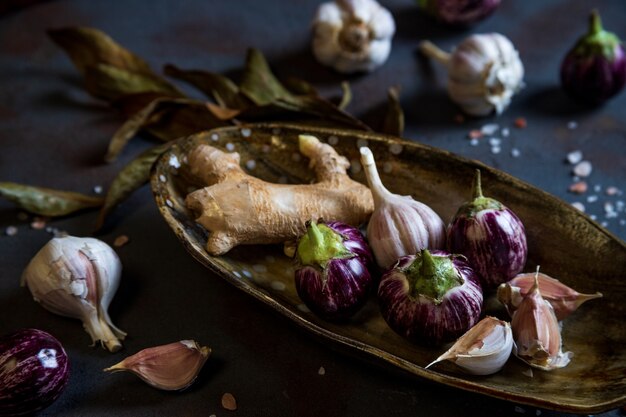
<point>537,333</point>
<point>483,349</point>
<point>352,35</point>
<point>484,72</point>
<point>78,277</point>
<point>170,367</point>
<point>399,225</point>
<point>563,299</point>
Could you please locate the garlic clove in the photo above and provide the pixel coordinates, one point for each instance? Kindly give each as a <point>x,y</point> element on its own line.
<point>170,367</point>
<point>77,278</point>
<point>483,349</point>
<point>563,299</point>
<point>399,225</point>
<point>537,333</point>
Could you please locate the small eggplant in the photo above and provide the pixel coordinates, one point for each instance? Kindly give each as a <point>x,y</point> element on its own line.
<point>491,236</point>
<point>459,12</point>
<point>333,277</point>
<point>594,70</point>
<point>34,370</point>
<point>430,298</point>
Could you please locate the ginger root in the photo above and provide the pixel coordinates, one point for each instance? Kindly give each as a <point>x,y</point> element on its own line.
<point>237,208</point>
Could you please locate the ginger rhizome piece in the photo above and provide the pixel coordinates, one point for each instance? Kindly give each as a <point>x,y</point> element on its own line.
<point>237,208</point>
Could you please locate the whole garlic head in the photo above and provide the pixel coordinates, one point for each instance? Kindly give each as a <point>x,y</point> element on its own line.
<point>352,35</point>
<point>484,72</point>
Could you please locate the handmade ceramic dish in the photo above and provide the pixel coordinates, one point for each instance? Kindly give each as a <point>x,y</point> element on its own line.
<point>566,243</point>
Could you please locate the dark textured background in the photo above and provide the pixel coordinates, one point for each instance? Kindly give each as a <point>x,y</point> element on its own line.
<point>53,134</point>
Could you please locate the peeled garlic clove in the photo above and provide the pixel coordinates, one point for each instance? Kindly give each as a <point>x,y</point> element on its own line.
<point>563,299</point>
<point>537,333</point>
<point>352,35</point>
<point>483,349</point>
<point>78,277</point>
<point>170,367</point>
<point>400,225</point>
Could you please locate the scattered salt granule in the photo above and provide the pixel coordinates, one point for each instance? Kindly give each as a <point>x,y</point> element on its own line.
<point>162,178</point>
<point>537,412</point>
<point>593,216</point>
<point>10,231</point>
<point>321,371</point>
<point>578,206</point>
<point>519,409</point>
<point>215,137</point>
<point>495,141</point>
<point>245,132</point>
<point>474,142</point>
<point>229,402</point>
<point>609,210</point>
<point>230,147</point>
<point>174,162</point>
<point>38,223</point>
<point>515,153</point>
<point>583,169</point>
<point>571,125</point>
<point>592,198</point>
<point>622,222</point>
<point>121,240</point>
<point>495,149</point>
<point>619,205</point>
<point>97,189</point>
<point>475,134</point>
<point>396,148</point>
<point>578,187</point>
<point>604,224</point>
<point>520,123</point>
<point>505,132</point>
<point>597,188</point>
<point>612,190</point>
<point>489,129</point>
<point>251,164</point>
<point>333,140</point>
<point>574,157</point>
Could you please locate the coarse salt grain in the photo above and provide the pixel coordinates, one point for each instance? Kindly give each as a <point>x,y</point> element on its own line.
<point>230,147</point>
<point>333,140</point>
<point>396,148</point>
<point>597,188</point>
<point>495,149</point>
<point>571,125</point>
<point>246,133</point>
<point>174,162</point>
<point>215,137</point>
<point>10,231</point>
<point>169,203</point>
<point>229,402</point>
<point>578,187</point>
<point>612,190</point>
<point>593,216</point>
<point>520,123</point>
<point>583,169</point>
<point>495,141</point>
<point>604,224</point>
<point>489,129</point>
<point>38,223</point>
<point>251,164</point>
<point>622,222</point>
<point>97,189</point>
<point>120,241</point>
<point>515,153</point>
<point>505,132</point>
<point>519,409</point>
<point>162,178</point>
<point>475,134</point>
<point>574,157</point>
<point>321,371</point>
<point>578,206</point>
<point>592,198</point>
<point>473,142</point>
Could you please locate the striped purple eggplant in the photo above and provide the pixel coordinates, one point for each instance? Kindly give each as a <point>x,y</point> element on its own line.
<point>594,70</point>
<point>333,276</point>
<point>491,236</point>
<point>430,298</point>
<point>34,370</point>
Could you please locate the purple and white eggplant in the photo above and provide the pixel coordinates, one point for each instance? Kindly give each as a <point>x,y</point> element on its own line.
<point>430,298</point>
<point>491,236</point>
<point>459,12</point>
<point>34,370</point>
<point>594,70</point>
<point>333,277</point>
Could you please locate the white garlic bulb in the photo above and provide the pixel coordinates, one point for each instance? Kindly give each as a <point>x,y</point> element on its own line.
<point>352,35</point>
<point>483,349</point>
<point>484,72</point>
<point>78,277</point>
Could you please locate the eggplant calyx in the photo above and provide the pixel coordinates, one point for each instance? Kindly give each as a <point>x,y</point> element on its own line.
<point>320,245</point>
<point>597,41</point>
<point>479,201</point>
<point>432,276</point>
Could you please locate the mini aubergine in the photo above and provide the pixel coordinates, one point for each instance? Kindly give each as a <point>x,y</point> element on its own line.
<point>491,236</point>
<point>430,298</point>
<point>34,370</point>
<point>333,276</point>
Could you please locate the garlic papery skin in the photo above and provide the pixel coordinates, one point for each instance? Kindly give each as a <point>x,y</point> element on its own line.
<point>484,72</point>
<point>563,299</point>
<point>483,349</point>
<point>78,277</point>
<point>170,367</point>
<point>399,225</point>
<point>352,35</point>
<point>537,334</point>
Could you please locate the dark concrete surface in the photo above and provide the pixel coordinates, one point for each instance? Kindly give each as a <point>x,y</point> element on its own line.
<point>53,134</point>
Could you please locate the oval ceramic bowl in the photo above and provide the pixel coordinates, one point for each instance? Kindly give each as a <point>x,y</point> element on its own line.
<point>566,243</point>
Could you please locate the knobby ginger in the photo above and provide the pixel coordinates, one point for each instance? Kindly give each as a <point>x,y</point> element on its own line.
<point>237,208</point>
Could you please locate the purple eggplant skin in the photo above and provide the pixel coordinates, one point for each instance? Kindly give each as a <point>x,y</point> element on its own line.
<point>491,237</point>
<point>34,370</point>
<point>459,12</point>
<point>337,288</point>
<point>594,70</point>
<point>422,319</point>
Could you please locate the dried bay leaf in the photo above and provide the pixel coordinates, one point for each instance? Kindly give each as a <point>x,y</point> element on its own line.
<point>300,87</point>
<point>393,123</point>
<point>129,179</point>
<point>47,201</point>
<point>259,83</point>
